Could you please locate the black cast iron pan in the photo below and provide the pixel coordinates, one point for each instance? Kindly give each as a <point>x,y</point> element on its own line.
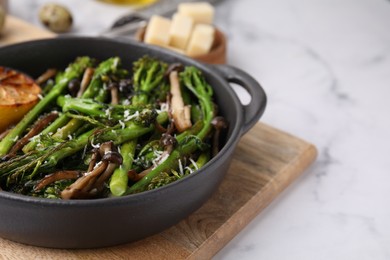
<point>112,221</point>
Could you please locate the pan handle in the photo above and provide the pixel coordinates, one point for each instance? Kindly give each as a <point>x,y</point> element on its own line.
<point>254,110</point>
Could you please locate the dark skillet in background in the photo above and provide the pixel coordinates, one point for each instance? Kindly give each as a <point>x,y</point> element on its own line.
<point>112,221</point>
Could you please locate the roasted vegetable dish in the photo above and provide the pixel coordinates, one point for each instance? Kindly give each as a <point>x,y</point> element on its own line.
<point>102,130</point>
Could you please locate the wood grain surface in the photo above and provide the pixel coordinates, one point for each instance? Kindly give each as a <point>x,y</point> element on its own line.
<point>265,162</point>
<point>16,30</point>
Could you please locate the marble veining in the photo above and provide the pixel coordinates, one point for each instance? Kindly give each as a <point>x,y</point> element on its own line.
<point>325,65</point>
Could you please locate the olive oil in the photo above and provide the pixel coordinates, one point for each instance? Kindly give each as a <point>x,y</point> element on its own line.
<point>130,2</point>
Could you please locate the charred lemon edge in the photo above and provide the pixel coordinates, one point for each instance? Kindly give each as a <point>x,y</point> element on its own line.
<point>12,112</point>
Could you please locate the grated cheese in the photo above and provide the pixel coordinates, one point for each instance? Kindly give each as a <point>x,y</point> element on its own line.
<point>194,164</point>
<point>108,113</point>
<point>122,124</point>
<point>164,107</point>
<point>181,167</point>
<point>95,145</point>
<point>129,117</point>
<point>189,169</point>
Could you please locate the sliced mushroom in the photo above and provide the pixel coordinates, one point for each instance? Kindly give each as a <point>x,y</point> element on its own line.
<point>180,113</point>
<point>92,182</point>
<point>174,67</point>
<point>99,183</point>
<point>87,77</point>
<point>46,76</point>
<point>36,129</point>
<point>144,173</point>
<point>84,183</point>
<point>168,142</point>
<point>109,153</point>
<point>74,86</point>
<point>114,90</point>
<point>105,148</point>
<point>113,158</point>
<point>60,175</point>
<point>134,176</point>
<point>94,158</point>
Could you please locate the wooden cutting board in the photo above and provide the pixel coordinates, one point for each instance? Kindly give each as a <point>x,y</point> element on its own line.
<point>16,30</point>
<point>265,162</point>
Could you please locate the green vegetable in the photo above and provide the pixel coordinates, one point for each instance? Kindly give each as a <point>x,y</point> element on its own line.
<point>119,179</point>
<point>74,70</point>
<point>94,90</point>
<point>105,142</point>
<point>148,75</point>
<point>196,83</point>
<point>55,152</point>
<point>62,127</point>
<point>164,178</point>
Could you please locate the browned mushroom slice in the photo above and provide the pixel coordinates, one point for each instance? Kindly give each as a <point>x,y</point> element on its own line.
<point>84,183</point>
<point>144,173</point>
<point>99,183</point>
<point>94,158</point>
<point>60,175</point>
<point>113,158</point>
<point>114,91</point>
<point>36,129</point>
<point>85,81</point>
<point>92,182</point>
<point>181,114</point>
<point>134,176</point>
<point>46,76</point>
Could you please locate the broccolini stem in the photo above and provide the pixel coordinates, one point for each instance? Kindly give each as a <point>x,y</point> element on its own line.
<point>74,70</point>
<point>68,129</point>
<point>95,90</point>
<point>50,129</point>
<point>119,179</point>
<point>203,159</point>
<point>63,150</point>
<point>148,74</point>
<point>119,136</point>
<point>131,130</point>
<point>172,162</point>
<point>63,127</point>
<point>106,67</point>
<point>196,83</point>
<point>93,108</point>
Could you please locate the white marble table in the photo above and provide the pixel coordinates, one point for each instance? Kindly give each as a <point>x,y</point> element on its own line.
<point>326,68</point>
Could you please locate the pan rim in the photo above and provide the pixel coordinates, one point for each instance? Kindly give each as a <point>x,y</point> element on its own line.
<point>229,145</point>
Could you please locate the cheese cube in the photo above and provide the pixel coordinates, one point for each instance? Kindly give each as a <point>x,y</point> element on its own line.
<point>201,40</point>
<point>180,32</point>
<point>157,31</point>
<point>201,12</point>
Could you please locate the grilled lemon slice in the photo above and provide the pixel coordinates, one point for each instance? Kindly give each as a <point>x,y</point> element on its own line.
<point>18,94</point>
